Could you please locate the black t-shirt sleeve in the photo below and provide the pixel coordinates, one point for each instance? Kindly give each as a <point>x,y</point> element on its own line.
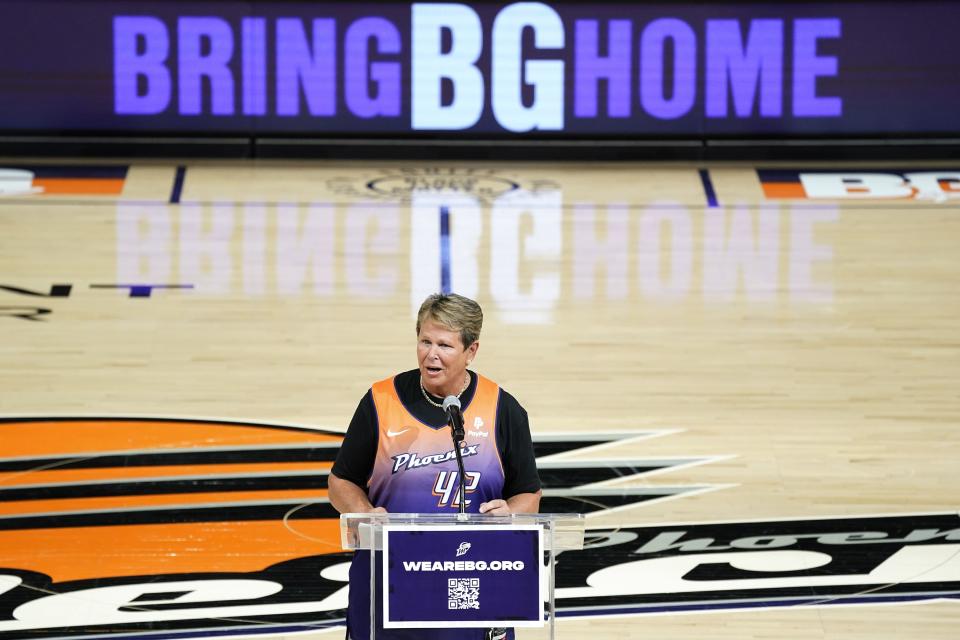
<point>359,448</point>
<point>516,448</point>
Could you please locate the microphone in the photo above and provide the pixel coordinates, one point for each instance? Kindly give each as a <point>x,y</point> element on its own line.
<point>451,406</point>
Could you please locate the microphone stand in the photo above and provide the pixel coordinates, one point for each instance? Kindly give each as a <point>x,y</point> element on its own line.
<point>456,432</point>
<point>451,406</point>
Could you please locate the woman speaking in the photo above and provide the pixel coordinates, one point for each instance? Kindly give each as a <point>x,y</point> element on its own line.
<point>397,453</point>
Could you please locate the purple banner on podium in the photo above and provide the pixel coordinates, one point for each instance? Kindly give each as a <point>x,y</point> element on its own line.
<point>462,576</point>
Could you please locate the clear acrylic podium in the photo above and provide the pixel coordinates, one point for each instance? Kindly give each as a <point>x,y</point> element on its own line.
<point>400,542</point>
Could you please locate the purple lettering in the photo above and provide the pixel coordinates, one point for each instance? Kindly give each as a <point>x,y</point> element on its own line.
<point>652,65</point>
<point>742,69</point>
<point>129,65</point>
<point>385,76</point>
<point>194,66</point>
<point>807,67</point>
<point>590,67</point>
<point>298,66</point>
<point>254,39</point>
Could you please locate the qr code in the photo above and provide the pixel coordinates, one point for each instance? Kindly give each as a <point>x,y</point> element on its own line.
<point>463,593</point>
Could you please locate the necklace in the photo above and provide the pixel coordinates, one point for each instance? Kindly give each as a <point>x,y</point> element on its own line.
<point>426,396</point>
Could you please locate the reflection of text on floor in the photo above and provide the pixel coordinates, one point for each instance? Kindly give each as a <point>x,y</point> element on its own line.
<point>523,250</point>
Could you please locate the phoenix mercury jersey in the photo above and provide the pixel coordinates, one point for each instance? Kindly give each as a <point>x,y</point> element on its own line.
<point>415,470</point>
<point>399,448</point>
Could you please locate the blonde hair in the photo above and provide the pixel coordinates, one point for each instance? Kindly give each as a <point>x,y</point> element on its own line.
<point>455,312</point>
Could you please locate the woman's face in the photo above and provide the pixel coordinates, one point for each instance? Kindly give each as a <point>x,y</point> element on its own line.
<point>443,360</point>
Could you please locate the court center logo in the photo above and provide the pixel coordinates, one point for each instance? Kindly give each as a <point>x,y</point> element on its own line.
<point>404,184</point>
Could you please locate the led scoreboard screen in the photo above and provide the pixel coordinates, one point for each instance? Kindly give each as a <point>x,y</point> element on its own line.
<point>480,69</point>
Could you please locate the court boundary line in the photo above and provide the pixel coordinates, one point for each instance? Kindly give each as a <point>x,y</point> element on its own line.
<point>801,205</point>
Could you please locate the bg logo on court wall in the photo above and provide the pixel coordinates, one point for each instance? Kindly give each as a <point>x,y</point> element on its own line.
<point>134,526</point>
<point>932,185</point>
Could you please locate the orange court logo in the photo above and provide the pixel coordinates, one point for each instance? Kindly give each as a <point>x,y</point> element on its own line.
<point>162,523</point>
<point>189,528</point>
<point>132,526</point>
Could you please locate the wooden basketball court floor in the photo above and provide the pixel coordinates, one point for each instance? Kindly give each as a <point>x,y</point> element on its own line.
<point>740,358</point>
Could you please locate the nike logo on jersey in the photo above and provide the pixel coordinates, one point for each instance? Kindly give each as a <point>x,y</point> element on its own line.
<point>394,434</point>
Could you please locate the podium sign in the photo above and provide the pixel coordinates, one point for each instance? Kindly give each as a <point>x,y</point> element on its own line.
<point>463,576</point>
<point>461,570</point>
